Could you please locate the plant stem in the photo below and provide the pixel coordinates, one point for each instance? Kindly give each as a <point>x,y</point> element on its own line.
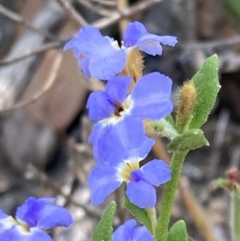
<point>235,217</point>
<point>168,196</point>
<point>151,212</point>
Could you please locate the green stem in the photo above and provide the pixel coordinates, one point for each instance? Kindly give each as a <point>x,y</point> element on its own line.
<point>151,212</point>
<point>235,216</point>
<point>168,196</point>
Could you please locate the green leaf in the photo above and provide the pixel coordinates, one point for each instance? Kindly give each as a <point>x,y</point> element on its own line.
<point>103,230</point>
<point>178,232</point>
<point>233,7</point>
<point>170,119</point>
<point>189,140</point>
<point>207,86</point>
<point>139,213</point>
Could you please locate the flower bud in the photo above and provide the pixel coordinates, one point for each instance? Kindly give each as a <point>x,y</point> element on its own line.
<point>186,103</point>
<point>134,65</point>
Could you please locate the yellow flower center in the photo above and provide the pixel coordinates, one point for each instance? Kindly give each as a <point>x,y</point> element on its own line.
<point>126,170</point>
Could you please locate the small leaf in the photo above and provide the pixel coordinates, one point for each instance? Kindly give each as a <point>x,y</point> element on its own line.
<point>178,232</point>
<point>103,230</point>
<point>233,7</point>
<point>139,213</point>
<point>189,140</point>
<point>207,85</point>
<point>170,119</point>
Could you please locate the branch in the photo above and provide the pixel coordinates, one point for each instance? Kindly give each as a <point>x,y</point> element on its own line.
<point>49,83</point>
<point>108,21</point>
<point>72,13</point>
<point>105,2</point>
<point>95,9</point>
<point>121,5</point>
<point>212,44</point>
<point>101,24</point>
<point>38,175</point>
<point>29,53</point>
<point>18,18</point>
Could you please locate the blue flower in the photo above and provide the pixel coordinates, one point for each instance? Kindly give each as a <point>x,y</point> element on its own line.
<point>136,35</point>
<point>128,232</point>
<point>124,167</point>
<point>101,57</point>
<point>98,56</point>
<point>32,218</point>
<point>119,111</point>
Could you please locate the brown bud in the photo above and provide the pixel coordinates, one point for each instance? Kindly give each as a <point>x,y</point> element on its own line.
<point>186,102</point>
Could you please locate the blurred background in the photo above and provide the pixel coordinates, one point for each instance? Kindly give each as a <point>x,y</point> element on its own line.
<point>43,121</point>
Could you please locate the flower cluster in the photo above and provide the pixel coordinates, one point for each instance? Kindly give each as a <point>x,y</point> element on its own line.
<point>130,98</point>
<point>33,218</point>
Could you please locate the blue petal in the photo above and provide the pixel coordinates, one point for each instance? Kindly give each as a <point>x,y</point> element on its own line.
<point>123,140</point>
<point>52,216</point>
<point>102,104</point>
<point>136,35</point>
<point>98,106</point>
<point>147,191</point>
<point>107,62</point>
<point>2,214</point>
<point>70,44</point>
<point>42,213</point>
<point>156,172</point>
<point>87,41</point>
<point>98,133</point>
<point>118,88</point>
<point>125,231</point>
<point>142,234</point>
<point>101,58</point>
<point>150,43</point>
<point>102,181</point>
<point>151,96</point>
<point>15,234</point>
<point>83,64</point>
<point>133,33</point>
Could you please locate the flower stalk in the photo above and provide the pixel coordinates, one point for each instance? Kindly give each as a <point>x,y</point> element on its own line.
<point>235,217</point>
<point>151,212</point>
<point>168,196</point>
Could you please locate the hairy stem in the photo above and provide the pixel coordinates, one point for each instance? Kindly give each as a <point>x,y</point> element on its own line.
<point>168,196</point>
<point>235,217</point>
<point>151,212</point>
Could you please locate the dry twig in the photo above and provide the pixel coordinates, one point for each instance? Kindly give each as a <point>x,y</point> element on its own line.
<point>196,211</point>
<point>97,9</point>
<point>40,49</point>
<point>49,83</point>
<point>108,21</point>
<point>101,24</point>
<point>18,18</point>
<point>34,173</point>
<point>121,5</point>
<point>72,13</point>
<point>110,3</point>
<point>212,44</point>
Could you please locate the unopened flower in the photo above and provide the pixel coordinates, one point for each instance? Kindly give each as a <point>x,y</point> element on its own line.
<point>32,220</point>
<point>128,232</point>
<point>124,167</point>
